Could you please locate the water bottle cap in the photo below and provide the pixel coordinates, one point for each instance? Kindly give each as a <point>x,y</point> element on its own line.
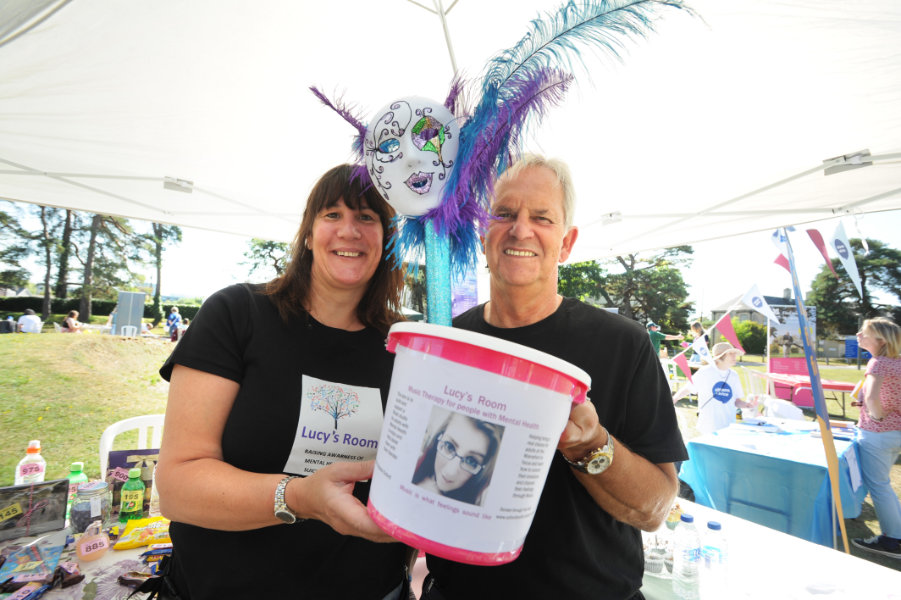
<point>714,525</point>
<point>34,446</point>
<point>134,473</point>
<point>76,467</point>
<point>687,518</point>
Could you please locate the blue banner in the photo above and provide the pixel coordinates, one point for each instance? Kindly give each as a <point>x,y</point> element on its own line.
<point>816,385</point>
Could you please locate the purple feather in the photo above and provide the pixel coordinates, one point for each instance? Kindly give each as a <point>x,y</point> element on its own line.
<point>345,112</point>
<point>454,95</point>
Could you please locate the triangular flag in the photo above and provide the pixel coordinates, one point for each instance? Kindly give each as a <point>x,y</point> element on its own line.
<point>700,348</point>
<point>778,238</point>
<point>724,326</point>
<point>682,363</point>
<point>755,300</point>
<point>782,262</point>
<point>842,247</point>
<point>817,239</point>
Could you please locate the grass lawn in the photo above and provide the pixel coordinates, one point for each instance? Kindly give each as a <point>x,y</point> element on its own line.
<point>64,389</point>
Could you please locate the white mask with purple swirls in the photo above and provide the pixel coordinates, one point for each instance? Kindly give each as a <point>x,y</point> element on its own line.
<point>410,148</point>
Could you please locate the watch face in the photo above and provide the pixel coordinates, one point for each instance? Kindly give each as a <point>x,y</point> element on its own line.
<point>286,516</point>
<point>598,464</point>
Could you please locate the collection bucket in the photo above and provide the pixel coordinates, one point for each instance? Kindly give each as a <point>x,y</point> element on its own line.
<point>471,427</point>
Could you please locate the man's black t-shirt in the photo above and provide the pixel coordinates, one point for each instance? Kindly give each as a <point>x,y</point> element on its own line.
<point>574,549</point>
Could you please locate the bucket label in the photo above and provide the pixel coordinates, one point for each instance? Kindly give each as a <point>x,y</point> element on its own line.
<point>464,453</point>
<point>338,422</point>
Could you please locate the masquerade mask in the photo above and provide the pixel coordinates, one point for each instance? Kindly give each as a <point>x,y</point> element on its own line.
<point>410,148</point>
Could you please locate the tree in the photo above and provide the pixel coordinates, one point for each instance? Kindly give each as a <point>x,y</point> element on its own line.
<point>110,247</point>
<point>64,249</point>
<point>161,235</point>
<point>583,280</point>
<point>267,256</point>
<point>752,336</point>
<point>14,250</point>
<point>839,307</point>
<point>646,288</point>
<point>47,245</point>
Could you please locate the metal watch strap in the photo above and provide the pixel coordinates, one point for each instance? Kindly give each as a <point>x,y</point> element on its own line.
<point>605,451</point>
<point>281,509</point>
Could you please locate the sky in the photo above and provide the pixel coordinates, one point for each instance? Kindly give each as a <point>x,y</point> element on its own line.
<point>721,270</point>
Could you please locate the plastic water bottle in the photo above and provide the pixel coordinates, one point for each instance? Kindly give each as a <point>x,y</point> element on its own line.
<point>154,509</point>
<point>714,565</point>
<point>132,497</point>
<point>76,476</point>
<point>31,469</point>
<point>686,559</point>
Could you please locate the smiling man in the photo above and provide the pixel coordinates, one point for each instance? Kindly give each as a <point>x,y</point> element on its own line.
<point>614,472</point>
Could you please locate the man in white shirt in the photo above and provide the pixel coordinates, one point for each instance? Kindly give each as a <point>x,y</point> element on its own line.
<point>30,322</point>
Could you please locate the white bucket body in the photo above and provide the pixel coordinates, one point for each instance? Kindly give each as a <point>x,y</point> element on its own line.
<point>485,401</point>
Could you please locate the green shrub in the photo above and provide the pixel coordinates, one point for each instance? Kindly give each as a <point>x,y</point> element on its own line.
<point>751,335</point>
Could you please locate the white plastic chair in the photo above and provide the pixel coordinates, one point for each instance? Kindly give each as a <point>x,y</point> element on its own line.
<point>142,424</point>
<point>128,331</point>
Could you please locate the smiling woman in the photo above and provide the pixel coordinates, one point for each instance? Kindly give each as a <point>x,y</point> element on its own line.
<point>276,394</point>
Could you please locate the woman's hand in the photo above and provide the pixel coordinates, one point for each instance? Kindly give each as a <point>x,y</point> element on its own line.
<point>328,496</point>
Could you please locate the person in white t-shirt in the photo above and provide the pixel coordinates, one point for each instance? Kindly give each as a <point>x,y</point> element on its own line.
<point>29,322</point>
<point>719,390</point>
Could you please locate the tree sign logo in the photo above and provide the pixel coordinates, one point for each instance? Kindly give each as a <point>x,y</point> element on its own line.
<point>334,401</point>
<point>841,249</point>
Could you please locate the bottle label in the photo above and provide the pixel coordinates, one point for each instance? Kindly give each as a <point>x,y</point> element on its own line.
<point>96,506</point>
<point>31,469</point>
<point>132,500</point>
<point>10,511</point>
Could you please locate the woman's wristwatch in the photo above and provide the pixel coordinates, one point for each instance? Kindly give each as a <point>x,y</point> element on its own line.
<point>596,461</point>
<point>282,511</point>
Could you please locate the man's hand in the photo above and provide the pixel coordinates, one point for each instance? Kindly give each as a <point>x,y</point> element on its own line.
<point>583,432</point>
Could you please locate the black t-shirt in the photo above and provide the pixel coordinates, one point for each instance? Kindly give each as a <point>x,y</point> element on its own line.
<point>239,335</point>
<point>574,549</point>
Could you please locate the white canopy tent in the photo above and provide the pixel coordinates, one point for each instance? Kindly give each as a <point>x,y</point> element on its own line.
<point>198,113</point>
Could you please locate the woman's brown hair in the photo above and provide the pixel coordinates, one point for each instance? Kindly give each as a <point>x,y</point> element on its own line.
<point>380,305</point>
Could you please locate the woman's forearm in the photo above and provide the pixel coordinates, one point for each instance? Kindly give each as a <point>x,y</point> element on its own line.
<point>871,397</point>
<point>210,493</point>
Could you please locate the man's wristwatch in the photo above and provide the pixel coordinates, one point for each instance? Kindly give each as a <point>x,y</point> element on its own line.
<point>596,461</point>
<point>281,507</point>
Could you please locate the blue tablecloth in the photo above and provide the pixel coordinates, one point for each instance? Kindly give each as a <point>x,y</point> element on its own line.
<point>777,479</point>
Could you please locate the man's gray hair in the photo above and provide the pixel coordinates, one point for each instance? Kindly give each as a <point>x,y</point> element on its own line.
<point>564,177</point>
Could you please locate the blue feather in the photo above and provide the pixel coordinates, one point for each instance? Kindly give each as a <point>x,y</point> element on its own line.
<point>553,42</point>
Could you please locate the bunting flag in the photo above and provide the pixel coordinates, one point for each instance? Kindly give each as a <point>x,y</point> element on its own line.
<point>682,363</point>
<point>701,349</point>
<point>818,241</point>
<point>842,247</point>
<point>754,299</point>
<point>819,399</point>
<point>724,326</point>
<point>779,239</point>
<point>782,262</point>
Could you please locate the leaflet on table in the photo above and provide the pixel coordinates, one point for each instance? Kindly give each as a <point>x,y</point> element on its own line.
<point>498,519</point>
